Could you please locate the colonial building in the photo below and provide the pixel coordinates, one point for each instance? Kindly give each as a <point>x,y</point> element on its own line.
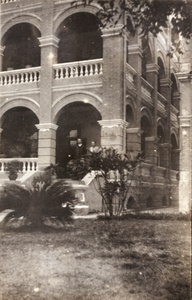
<point>63,76</point>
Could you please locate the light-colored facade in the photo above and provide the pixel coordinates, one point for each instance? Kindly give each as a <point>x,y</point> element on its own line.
<point>63,77</point>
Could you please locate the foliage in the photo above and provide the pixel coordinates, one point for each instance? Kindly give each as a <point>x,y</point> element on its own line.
<point>13,167</point>
<point>114,174</point>
<point>42,199</point>
<point>150,15</point>
<point>75,169</point>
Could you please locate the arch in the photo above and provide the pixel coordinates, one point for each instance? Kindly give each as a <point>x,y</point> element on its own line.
<point>21,47</point>
<point>131,203</point>
<point>161,133</point>
<point>79,38</point>
<point>76,120</point>
<point>20,134</point>
<point>161,57</point>
<point>79,96</point>
<point>174,141</point>
<point>130,118</point>
<point>92,8</point>
<point>22,101</point>
<point>174,131</point>
<point>21,18</point>
<point>149,202</point>
<point>146,112</point>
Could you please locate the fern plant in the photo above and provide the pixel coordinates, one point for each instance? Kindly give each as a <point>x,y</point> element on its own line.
<point>42,200</point>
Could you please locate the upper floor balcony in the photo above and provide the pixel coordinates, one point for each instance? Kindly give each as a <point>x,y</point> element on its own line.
<point>82,72</point>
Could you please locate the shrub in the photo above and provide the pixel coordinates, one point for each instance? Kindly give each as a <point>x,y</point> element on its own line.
<point>41,200</point>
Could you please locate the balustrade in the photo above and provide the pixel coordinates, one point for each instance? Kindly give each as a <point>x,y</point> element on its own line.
<point>29,164</point>
<point>78,69</point>
<point>130,73</point>
<point>8,1</point>
<point>20,76</point>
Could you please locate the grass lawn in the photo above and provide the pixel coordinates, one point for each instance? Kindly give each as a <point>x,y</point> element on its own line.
<point>98,259</point>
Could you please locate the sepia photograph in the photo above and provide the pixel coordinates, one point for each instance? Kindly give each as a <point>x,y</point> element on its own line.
<point>95,149</point>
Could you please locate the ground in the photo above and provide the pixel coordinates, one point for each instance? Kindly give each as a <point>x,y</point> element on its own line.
<point>97,259</point>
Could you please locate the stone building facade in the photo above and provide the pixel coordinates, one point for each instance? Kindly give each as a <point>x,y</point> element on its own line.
<point>63,76</point>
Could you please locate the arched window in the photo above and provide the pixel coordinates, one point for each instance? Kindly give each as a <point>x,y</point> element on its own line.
<point>21,47</point>
<point>80,38</point>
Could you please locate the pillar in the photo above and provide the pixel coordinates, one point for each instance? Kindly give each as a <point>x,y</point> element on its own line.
<point>49,45</point>
<point>134,141</point>
<point>46,144</point>
<point>152,78</point>
<point>185,184</point>
<point>1,57</point>
<point>113,134</point>
<point>135,60</point>
<point>114,58</point>
<point>151,149</point>
<point>185,167</point>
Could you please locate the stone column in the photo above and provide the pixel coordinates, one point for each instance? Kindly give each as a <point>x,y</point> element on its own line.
<point>185,183</point>
<point>49,45</point>
<point>134,141</point>
<point>1,57</point>
<point>152,78</point>
<point>114,58</point>
<point>135,60</point>
<point>151,149</point>
<point>113,134</point>
<point>46,144</point>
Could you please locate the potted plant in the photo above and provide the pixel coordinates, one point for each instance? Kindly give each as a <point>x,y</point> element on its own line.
<point>12,168</point>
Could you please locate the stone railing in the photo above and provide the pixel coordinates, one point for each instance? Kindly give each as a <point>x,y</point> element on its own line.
<point>146,88</point>
<point>78,69</point>
<point>29,164</point>
<point>27,75</point>
<point>130,73</point>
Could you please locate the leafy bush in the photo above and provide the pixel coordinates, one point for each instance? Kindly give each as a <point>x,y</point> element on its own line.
<point>13,167</point>
<point>41,200</point>
<point>114,174</point>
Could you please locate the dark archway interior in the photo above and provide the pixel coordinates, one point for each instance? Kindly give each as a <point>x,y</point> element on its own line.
<point>161,74</point>
<point>174,89</point>
<point>131,203</point>
<point>76,120</point>
<point>174,142</point>
<point>129,115</point>
<point>21,47</point>
<point>80,38</point>
<point>160,134</point>
<point>19,135</point>
<point>146,132</point>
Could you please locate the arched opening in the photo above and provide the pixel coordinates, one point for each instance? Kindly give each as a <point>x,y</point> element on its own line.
<point>174,90</point>
<point>19,137</point>
<point>131,203</point>
<point>174,153</point>
<point>146,58</point>
<point>161,74</point>
<point>76,120</point>
<point>21,47</point>
<point>164,201</point>
<point>146,132</point>
<point>80,38</point>
<point>149,202</point>
<point>129,115</point>
<point>160,134</point>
